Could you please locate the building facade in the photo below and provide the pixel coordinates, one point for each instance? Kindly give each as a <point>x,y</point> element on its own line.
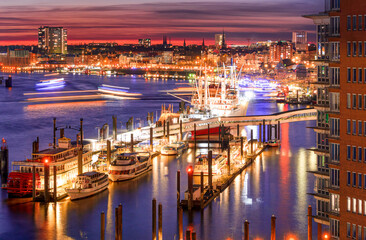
<point>52,40</point>
<point>341,125</point>
<point>280,50</point>
<point>300,39</point>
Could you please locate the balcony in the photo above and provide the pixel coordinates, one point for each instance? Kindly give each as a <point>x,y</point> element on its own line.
<point>319,196</point>
<point>322,107</point>
<point>320,174</point>
<point>320,152</point>
<point>322,130</point>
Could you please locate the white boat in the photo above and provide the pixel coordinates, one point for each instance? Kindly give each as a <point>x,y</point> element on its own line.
<point>127,166</point>
<point>201,165</point>
<point>50,84</point>
<point>274,143</point>
<point>88,184</point>
<point>174,148</point>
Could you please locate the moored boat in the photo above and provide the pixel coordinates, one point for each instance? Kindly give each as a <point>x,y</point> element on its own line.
<point>201,165</point>
<point>127,166</point>
<point>174,148</point>
<point>88,184</point>
<point>274,143</point>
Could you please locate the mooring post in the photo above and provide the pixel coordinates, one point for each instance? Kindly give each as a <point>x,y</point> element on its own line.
<point>246,230</point>
<point>168,130</point>
<point>269,131</point>
<point>154,219</point>
<point>208,136</point>
<point>275,128</point>
<point>46,182</point>
<point>195,139</point>
<point>209,169</point>
<point>273,227</point>
<point>180,222</point>
<point>54,132</point>
<point>241,147</point>
<point>202,182</point>
<point>320,231</point>
<point>151,139</point>
<point>260,133</point>
<point>220,137</point>
<point>178,189</point>
<point>102,226</point>
<point>55,184</point>
<point>251,142</point>
<point>109,154</point>
<point>193,235</point>
<point>188,235</point>
<point>181,129</point>
<point>80,162</point>
<point>131,142</point>
<point>120,221</point>
<point>116,223</point>
<point>190,187</point>
<point>237,131</point>
<point>310,223</point>
<point>279,130</point>
<point>114,118</point>
<point>228,160</point>
<point>81,134</point>
<point>160,222</point>
<point>264,131</point>
<point>34,183</point>
<point>164,123</point>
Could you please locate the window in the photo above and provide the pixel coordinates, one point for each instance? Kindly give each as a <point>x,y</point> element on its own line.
<point>349,100</point>
<point>348,152</point>
<point>348,74</point>
<point>334,152</point>
<point>354,155</point>
<point>334,203</point>
<point>348,204</point>
<point>354,231</point>
<point>349,23</point>
<point>354,77</point>
<point>354,22</point>
<point>334,228</point>
<point>334,177</point>
<point>354,128</point>
<point>348,229</point>
<point>354,176</point>
<point>354,102</point>
<point>360,75</point>
<point>364,128</point>
<point>364,153</point>
<point>334,47</point>
<point>364,49</point>
<point>348,49</point>
<point>360,22</point>
<point>359,232</point>
<point>334,25</point>
<point>359,101</point>
<point>359,206</point>
<point>364,208</point>
<point>354,49</point>
<point>364,20</point>
<point>364,75</point>
<point>360,154</point>
<point>348,178</point>
<point>334,127</point>
<point>360,180</point>
<point>334,75</point>
<point>360,128</point>
<point>364,186</point>
<point>360,52</point>
<point>354,205</point>
<point>348,126</point>
<point>334,101</point>
<point>364,101</point>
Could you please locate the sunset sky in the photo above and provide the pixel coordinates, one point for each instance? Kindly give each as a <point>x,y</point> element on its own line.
<point>127,20</point>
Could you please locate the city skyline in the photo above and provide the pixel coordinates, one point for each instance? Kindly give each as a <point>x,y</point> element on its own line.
<point>244,21</point>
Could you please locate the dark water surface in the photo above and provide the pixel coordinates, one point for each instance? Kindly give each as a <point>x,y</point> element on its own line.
<point>276,183</point>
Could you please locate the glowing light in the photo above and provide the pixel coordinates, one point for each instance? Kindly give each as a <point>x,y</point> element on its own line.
<point>189,169</point>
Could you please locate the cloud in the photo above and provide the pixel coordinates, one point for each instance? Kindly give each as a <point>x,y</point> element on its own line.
<point>191,20</point>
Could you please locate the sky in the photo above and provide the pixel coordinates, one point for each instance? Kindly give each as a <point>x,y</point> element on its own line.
<point>125,21</point>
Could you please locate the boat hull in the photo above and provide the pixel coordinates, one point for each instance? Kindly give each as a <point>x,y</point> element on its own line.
<point>125,177</point>
<point>76,194</point>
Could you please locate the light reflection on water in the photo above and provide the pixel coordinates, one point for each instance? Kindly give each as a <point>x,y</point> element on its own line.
<point>276,183</point>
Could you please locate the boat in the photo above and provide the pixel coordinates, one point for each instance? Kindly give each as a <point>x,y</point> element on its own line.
<point>174,148</point>
<point>50,84</point>
<point>274,143</point>
<point>201,165</point>
<point>127,166</point>
<point>88,184</point>
<point>64,157</point>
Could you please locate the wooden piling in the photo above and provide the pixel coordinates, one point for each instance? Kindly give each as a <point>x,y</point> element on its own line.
<point>188,235</point>
<point>120,222</point>
<point>264,130</point>
<point>114,119</point>
<point>195,139</point>
<point>237,131</point>
<point>260,133</point>
<point>275,128</point>
<point>279,130</point>
<point>320,231</point>
<point>80,162</point>
<point>81,134</point>
<point>178,189</point>
<point>251,142</point>
<point>131,143</point>
<point>228,160</point>
<point>109,154</point>
<point>190,188</point>
<point>164,123</point>
<point>181,129</point>
<point>54,132</point>
<point>34,183</point>
<point>241,147</point>
<point>193,235</point>
<point>269,131</point>
<point>209,169</point>
<point>160,222</point>
<point>116,223</point>
<point>62,133</point>
<point>180,223</point>
<point>102,226</point>
<point>151,139</point>
<point>46,182</point>
<point>208,136</point>
<point>273,227</point>
<point>310,223</point>
<point>55,184</point>
<point>202,182</point>
<point>154,219</point>
<point>168,130</point>
<point>246,230</point>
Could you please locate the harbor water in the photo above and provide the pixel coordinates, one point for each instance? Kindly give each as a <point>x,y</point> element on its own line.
<point>277,183</point>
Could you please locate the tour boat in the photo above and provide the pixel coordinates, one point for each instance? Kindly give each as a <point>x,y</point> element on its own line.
<point>127,166</point>
<point>88,184</point>
<point>50,84</point>
<point>201,165</point>
<point>274,143</point>
<point>64,157</point>
<point>174,148</point>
